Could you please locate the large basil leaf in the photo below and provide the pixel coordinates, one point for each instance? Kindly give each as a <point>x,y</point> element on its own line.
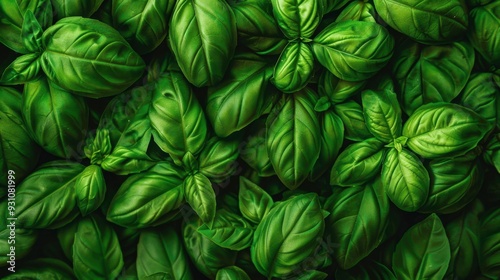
<point>257,28</point>
<point>13,13</point>
<point>353,50</point>
<point>463,234</point>
<point>294,68</point>
<point>405,179</point>
<point>482,95</point>
<point>149,198</point>
<point>352,116</point>
<point>207,256</point>
<point>229,230</point>
<point>293,137</point>
<point>254,202</point>
<point>230,273</point>
<point>68,8</point>
<point>297,18</point>
<point>426,74</point>
<point>200,195</point>
<point>96,72</point>
<point>489,243</point>
<point>56,129</point>
<point>443,129</point>
<point>288,235</point>
<point>332,138</point>
<point>336,89</point>
<point>242,97</point>
<point>46,198</point>
<point>423,252</point>
<point>358,163</point>
<point>90,189</point>
<point>382,114</point>
<point>43,268</point>
<point>483,31</point>
<point>218,159</point>
<point>203,38</point>
<point>96,250</point>
<point>357,221</point>
<point>161,250</point>
<point>18,152</point>
<point>454,183</point>
<point>425,21</point>
<point>142,23</point>
<point>178,121</point>
<point>357,10</point>
<point>23,240</point>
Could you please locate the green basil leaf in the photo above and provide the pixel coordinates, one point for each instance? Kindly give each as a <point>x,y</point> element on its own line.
<point>353,50</point>
<point>98,147</point>
<point>257,28</point>
<point>336,89</point>
<point>90,189</point>
<point>489,240</point>
<point>31,33</point>
<point>23,69</point>
<point>130,153</point>
<point>423,252</point>
<point>18,152</point>
<point>332,138</point>
<point>484,21</point>
<point>382,114</point>
<point>218,159</point>
<point>178,121</point>
<point>207,256</point>
<point>357,221</point>
<point>293,137</point>
<point>142,23</point>
<point>149,198</point>
<point>23,241</point>
<point>294,68</point>
<point>97,72</point>
<point>13,14</point>
<point>242,97</point>
<point>352,116</point>
<point>46,198</point>
<point>444,21</point>
<point>443,129</point>
<point>68,8</point>
<point>203,38</point>
<point>231,273</point>
<point>482,95</point>
<point>454,183</point>
<point>297,19</point>
<point>161,250</point>
<point>66,237</point>
<point>56,129</point>
<point>312,275</point>
<point>357,10</point>
<point>254,202</point>
<point>463,234</point>
<point>43,268</point>
<point>405,179</point>
<point>288,235</point>
<point>229,230</point>
<point>358,163</point>
<point>200,195</point>
<point>426,74</point>
<point>254,150</point>
<point>96,251</point>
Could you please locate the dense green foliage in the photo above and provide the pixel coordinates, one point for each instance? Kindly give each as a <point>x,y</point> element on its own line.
<point>249,139</point>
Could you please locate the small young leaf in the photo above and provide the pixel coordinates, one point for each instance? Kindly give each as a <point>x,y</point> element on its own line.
<point>23,69</point>
<point>382,114</point>
<point>90,189</point>
<point>231,273</point>
<point>200,196</point>
<point>253,201</point>
<point>31,33</point>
